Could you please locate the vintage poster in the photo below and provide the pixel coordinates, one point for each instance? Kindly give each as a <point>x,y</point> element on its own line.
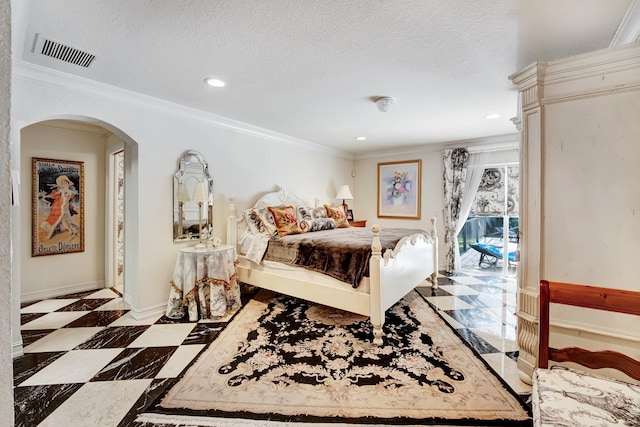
<point>57,213</point>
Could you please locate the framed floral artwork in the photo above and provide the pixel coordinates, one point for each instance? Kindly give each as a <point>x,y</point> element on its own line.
<point>399,189</point>
<point>57,212</point>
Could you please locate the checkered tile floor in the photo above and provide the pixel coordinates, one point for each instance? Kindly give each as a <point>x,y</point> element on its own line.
<point>88,362</point>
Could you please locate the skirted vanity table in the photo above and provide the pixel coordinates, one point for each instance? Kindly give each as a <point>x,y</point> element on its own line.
<point>204,284</point>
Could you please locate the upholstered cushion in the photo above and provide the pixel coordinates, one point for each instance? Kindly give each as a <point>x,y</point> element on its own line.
<point>567,397</point>
<point>338,215</point>
<point>317,224</point>
<point>285,219</point>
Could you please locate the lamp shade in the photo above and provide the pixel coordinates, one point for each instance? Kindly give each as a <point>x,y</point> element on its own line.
<point>183,193</point>
<point>344,193</point>
<point>200,192</point>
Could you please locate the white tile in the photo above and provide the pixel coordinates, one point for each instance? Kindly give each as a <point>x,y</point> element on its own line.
<point>467,280</point>
<point>179,360</point>
<point>128,320</point>
<point>459,290</point>
<point>54,320</point>
<point>75,366</point>
<point>103,293</point>
<point>63,339</point>
<point>99,403</point>
<point>163,335</point>
<point>448,303</point>
<point>49,305</point>
<point>507,368</point>
<point>116,304</point>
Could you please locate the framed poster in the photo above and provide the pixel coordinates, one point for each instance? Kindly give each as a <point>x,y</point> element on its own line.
<point>399,189</point>
<point>57,210</point>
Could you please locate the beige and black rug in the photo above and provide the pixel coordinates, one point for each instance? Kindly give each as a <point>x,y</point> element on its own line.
<point>285,359</point>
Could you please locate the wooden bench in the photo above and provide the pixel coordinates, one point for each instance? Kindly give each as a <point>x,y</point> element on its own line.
<point>563,396</point>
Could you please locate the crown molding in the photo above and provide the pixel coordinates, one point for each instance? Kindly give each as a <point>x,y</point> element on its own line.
<point>629,29</point>
<point>36,74</point>
<point>509,141</point>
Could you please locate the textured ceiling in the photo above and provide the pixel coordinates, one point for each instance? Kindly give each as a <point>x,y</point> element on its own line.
<point>310,69</point>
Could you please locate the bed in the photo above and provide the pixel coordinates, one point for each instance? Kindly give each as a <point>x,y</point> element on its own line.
<point>390,274</point>
<point>566,396</point>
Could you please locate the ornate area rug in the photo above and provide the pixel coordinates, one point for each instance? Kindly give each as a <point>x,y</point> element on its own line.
<point>286,359</point>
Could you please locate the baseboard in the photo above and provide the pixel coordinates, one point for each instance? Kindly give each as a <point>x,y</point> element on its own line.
<point>141,314</point>
<point>17,349</point>
<point>57,292</point>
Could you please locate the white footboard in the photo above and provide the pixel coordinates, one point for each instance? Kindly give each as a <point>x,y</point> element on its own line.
<point>414,260</point>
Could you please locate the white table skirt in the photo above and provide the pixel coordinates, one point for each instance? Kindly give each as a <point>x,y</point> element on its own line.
<point>204,284</point>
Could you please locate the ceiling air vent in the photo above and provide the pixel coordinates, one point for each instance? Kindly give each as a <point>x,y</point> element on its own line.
<point>62,52</point>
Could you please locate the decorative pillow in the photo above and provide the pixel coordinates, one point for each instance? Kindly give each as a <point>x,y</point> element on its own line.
<point>319,212</point>
<point>285,219</point>
<point>254,223</point>
<point>317,224</point>
<point>305,213</point>
<point>338,215</point>
<point>268,222</point>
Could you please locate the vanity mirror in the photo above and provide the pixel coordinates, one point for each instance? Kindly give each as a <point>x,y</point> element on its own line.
<point>192,197</point>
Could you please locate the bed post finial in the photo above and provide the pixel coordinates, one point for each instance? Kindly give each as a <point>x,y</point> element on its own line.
<point>434,236</point>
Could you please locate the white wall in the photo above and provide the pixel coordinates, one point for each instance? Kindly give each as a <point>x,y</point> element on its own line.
<point>45,276</point>
<point>244,162</point>
<point>9,298</point>
<point>365,189</point>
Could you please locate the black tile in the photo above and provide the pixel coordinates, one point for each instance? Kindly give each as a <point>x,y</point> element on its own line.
<point>430,292</point>
<point>29,336</point>
<point>477,343</point>
<point>81,294</point>
<point>474,318</point>
<point>113,337</point>
<point>28,317</point>
<point>97,318</point>
<point>28,364</point>
<point>86,304</point>
<point>204,333</point>
<point>34,403</point>
<point>513,355</point>
<point>135,364</point>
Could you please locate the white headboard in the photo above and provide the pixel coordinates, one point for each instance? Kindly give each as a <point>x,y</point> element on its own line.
<point>277,198</point>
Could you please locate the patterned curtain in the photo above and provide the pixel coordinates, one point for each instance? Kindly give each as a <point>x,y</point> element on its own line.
<point>454,177</point>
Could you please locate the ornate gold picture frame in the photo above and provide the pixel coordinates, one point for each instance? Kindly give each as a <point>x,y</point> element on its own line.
<point>57,212</point>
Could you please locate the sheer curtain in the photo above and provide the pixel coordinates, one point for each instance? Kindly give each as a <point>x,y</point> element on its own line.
<point>475,170</point>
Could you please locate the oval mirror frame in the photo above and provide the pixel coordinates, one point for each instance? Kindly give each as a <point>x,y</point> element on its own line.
<point>192,198</point>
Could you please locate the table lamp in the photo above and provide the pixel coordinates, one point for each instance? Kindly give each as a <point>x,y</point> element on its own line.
<point>345,194</point>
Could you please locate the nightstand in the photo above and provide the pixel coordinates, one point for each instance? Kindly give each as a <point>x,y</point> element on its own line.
<point>358,223</point>
<point>204,284</point>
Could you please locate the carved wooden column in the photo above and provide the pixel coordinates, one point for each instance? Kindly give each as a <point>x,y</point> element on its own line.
<point>530,124</point>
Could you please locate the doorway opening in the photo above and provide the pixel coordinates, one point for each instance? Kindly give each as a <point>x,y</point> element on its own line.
<point>489,239</point>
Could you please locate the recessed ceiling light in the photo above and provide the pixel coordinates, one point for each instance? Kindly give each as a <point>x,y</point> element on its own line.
<point>493,116</point>
<point>212,81</point>
<point>361,138</point>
